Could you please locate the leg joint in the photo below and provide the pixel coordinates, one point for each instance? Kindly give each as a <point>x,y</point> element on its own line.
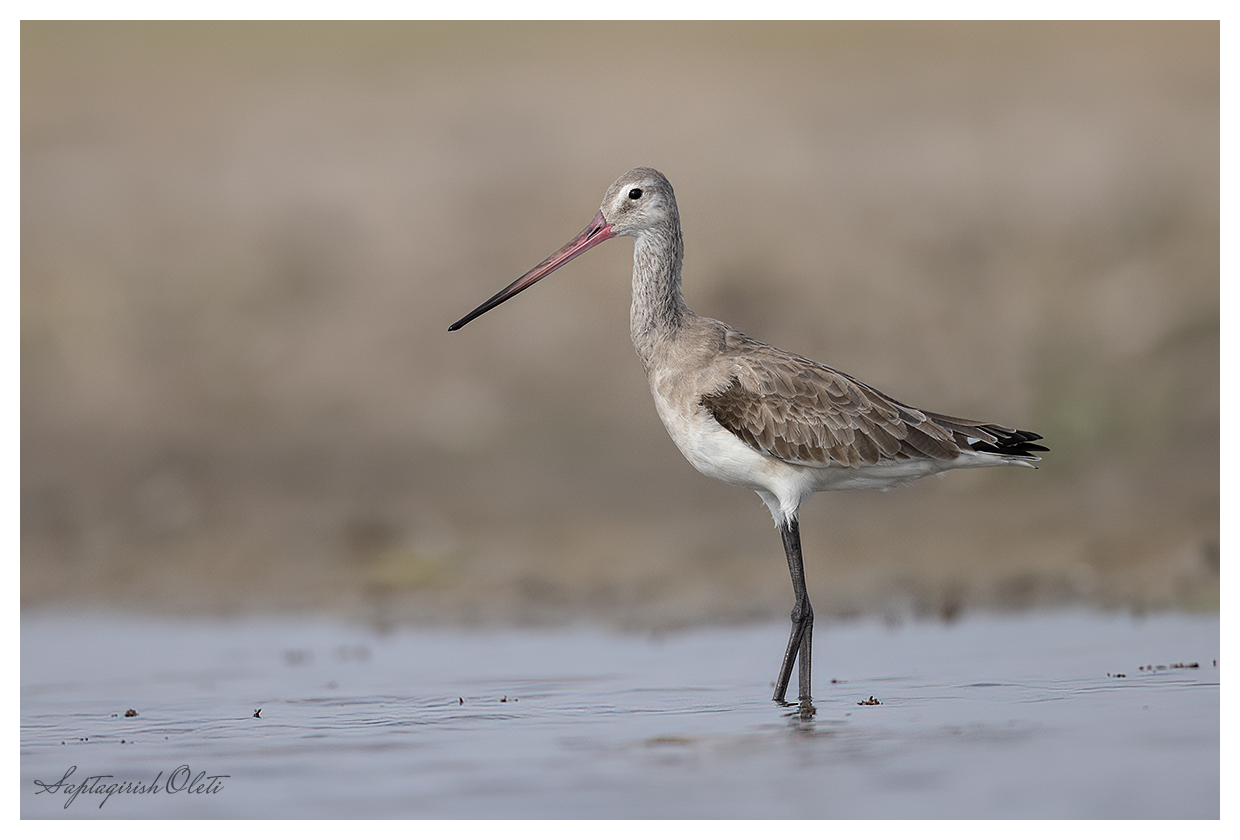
<point>802,612</point>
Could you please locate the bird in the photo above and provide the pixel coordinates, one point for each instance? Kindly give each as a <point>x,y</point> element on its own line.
<point>758,417</point>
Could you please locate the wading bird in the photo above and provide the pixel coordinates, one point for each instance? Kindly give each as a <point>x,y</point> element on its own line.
<point>759,417</point>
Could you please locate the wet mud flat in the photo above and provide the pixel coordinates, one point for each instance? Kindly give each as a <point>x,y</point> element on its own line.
<point>1068,715</point>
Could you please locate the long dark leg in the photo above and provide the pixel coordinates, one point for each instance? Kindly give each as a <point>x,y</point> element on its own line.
<point>800,642</point>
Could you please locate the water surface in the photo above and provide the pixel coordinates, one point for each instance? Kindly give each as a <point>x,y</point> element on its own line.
<point>1043,715</point>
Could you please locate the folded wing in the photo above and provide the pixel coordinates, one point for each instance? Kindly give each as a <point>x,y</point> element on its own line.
<point>807,413</point>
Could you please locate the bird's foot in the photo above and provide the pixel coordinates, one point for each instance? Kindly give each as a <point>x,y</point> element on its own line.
<point>804,707</point>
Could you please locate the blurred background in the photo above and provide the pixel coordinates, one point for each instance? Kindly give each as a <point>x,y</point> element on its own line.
<point>242,245</point>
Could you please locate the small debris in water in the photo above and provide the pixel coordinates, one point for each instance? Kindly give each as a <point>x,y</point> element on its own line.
<point>873,701</point>
<point>1172,667</point>
<point>1117,676</point>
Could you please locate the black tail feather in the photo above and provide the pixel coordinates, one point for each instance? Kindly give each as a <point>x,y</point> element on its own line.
<point>1011,442</point>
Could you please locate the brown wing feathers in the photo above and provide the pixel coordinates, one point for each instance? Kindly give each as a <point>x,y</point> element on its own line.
<point>801,411</point>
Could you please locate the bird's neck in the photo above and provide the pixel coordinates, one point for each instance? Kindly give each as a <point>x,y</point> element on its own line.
<point>658,311</point>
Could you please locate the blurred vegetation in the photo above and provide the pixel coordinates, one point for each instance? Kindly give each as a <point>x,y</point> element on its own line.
<point>242,244</point>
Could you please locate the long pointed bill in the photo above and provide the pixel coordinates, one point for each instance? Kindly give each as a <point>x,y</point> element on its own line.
<point>597,231</point>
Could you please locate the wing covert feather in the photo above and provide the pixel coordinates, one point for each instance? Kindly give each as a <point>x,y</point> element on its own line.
<point>804,412</point>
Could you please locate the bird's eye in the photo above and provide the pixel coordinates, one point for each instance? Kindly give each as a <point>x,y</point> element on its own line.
<point>635,193</point>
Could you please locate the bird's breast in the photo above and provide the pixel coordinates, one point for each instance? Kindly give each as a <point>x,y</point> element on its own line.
<point>709,447</point>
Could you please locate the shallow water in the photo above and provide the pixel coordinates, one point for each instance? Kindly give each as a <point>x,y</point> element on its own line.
<point>1021,716</point>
